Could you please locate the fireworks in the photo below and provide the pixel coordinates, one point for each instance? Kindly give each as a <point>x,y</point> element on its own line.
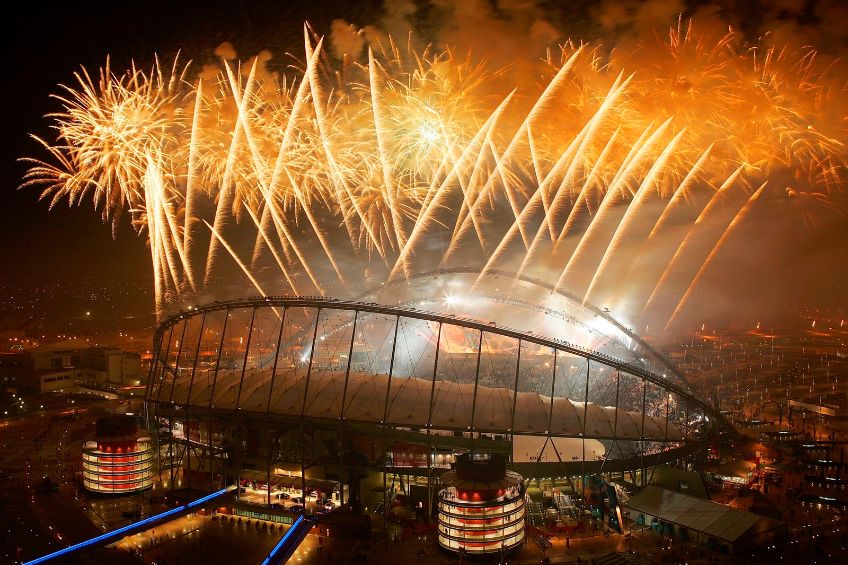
<point>361,175</point>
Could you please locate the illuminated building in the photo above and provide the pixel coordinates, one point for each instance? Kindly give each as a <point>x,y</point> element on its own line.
<point>119,461</point>
<point>482,510</point>
<point>354,395</point>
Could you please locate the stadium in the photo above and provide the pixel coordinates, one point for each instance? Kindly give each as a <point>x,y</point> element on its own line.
<point>363,400</point>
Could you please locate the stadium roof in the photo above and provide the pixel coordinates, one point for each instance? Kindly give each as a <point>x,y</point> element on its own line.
<point>710,518</point>
<point>407,401</point>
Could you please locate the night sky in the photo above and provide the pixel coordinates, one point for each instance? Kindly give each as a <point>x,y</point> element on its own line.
<point>48,44</point>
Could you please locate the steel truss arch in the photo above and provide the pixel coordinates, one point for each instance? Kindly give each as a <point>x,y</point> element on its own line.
<point>164,377</point>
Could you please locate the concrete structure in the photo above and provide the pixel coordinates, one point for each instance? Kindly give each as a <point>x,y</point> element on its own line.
<point>93,365</point>
<point>52,380</point>
<point>57,367</point>
<point>704,522</point>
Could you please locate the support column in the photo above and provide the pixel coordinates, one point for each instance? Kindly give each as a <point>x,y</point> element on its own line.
<point>614,422</point>
<point>476,381</point>
<point>181,341</point>
<point>514,402</point>
<point>211,405</point>
<point>303,409</point>
<point>386,502</point>
<point>551,407</point>
<point>583,433</point>
<point>160,378</point>
<point>342,408</point>
<point>430,419</point>
<point>391,368</point>
<point>237,424</point>
<point>267,461</point>
<point>268,405</point>
<point>148,388</point>
<point>642,432</point>
<point>188,396</point>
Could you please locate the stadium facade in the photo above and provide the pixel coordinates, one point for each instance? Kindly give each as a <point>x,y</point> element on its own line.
<point>358,397</point>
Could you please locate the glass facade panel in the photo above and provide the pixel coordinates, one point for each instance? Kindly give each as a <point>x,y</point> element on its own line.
<point>187,357</point>
<point>162,369</point>
<point>232,358</point>
<point>260,359</point>
<point>207,358</point>
<point>370,363</point>
<point>569,392</point>
<point>411,384</point>
<point>329,364</point>
<point>496,383</point>
<point>455,378</point>
<point>295,351</point>
<point>535,385</point>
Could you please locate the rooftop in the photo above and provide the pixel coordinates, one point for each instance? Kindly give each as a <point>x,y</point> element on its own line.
<point>710,518</point>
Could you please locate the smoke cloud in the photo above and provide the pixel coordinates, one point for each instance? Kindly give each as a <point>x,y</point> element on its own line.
<point>226,51</point>
<point>510,30</point>
<point>345,39</point>
<point>516,35</point>
<point>771,268</point>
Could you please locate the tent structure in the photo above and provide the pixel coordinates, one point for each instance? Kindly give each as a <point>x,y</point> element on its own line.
<point>702,520</point>
<point>376,398</point>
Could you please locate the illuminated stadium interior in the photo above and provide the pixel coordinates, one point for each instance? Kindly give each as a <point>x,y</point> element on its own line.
<point>354,393</point>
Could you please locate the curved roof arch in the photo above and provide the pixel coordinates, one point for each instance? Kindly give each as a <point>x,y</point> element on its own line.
<point>452,393</point>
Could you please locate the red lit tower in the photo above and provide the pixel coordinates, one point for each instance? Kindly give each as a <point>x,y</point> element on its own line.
<point>482,510</point>
<point>120,461</point>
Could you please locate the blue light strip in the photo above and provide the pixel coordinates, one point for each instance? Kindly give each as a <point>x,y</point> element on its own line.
<point>208,497</point>
<point>134,526</point>
<point>282,541</point>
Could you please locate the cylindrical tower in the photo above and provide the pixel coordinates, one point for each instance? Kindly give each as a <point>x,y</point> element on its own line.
<point>119,461</point>
<point>482,509</point>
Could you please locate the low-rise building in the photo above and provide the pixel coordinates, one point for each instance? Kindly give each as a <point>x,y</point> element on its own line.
<point>52,380</point>
<point>702,521</point>
<point>94,365</point>
<point>59,367</point>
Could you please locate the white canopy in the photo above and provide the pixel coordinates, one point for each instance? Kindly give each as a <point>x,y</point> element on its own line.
<point>412,401</point>
<point>710,518</point>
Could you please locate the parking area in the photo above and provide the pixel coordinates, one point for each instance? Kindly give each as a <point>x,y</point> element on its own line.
<point>288,498</point>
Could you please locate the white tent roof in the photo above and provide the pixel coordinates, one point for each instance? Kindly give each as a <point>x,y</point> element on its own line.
<point>407,401</point>
<point>713,519</point>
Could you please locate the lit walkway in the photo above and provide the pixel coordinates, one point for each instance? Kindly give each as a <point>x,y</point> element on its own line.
<point>130,529</point>
<point>290,541</point>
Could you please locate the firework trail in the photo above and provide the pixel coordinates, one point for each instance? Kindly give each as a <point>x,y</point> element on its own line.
<point>721,240</point>
<point>329,179</point>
